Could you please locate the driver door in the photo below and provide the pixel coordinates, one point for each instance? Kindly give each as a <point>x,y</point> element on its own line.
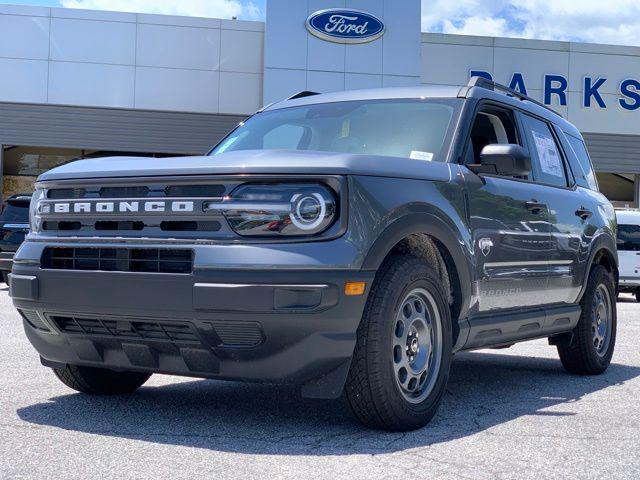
<point>509,220</point>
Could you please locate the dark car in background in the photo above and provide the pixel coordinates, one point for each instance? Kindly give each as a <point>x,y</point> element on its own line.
<point>14,225</point>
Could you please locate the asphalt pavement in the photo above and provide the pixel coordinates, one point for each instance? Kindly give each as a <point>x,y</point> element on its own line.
<point>512,414</point>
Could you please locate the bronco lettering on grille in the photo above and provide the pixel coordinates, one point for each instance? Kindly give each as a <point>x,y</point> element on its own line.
<point>155,206</point>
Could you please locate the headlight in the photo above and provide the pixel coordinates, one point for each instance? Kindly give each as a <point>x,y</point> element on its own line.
<point>35,220</point>
<point>278,209</point>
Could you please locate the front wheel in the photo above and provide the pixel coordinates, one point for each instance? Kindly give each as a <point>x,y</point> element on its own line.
<point>638,295</point>
<point>401,363</point>
<point>594,338</point>
<point>100,381</point>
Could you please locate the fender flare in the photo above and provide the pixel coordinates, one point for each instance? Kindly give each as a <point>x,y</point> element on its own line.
<point>430,224</point>
<point>603,241</point>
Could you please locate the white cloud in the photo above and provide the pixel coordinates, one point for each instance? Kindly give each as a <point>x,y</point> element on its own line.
<point>487,26</point>
<point>193,8</point>
<point>615,21</point>
<point>612,21</point>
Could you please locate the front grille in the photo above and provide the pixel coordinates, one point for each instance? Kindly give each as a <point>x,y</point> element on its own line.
<point>133,192</point>
<point>134,226</point>
<point>127,329</point>
<point>61,226</point>
<point>189,226</point>
<point>119,225</point>
<point>142,260</point>
<point>159,208</point>
<point>123,192</point>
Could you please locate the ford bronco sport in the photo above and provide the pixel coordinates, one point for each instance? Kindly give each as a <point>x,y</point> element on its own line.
<point>349,243</point>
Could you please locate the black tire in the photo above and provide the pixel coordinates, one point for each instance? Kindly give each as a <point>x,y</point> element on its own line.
<point>372,390</point>
<point>5,278</point>
<point>580,356</point>
<point>100,381</point>
<point>638,295</point>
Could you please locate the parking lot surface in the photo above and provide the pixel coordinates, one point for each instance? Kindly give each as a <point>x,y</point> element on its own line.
<point>507,414</point>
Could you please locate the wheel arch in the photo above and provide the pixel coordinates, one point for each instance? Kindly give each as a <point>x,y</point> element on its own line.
<point>603,252</point>
<point>451,248</point>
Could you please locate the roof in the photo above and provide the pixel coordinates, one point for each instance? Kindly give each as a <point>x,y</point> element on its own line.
<point>422,91</point>
<point>429,91</point>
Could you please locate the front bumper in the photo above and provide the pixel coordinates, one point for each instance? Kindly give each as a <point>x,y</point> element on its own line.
<point>279,326</point>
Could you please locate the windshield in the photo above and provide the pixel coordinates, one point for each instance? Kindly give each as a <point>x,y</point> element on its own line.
<point>410,128</point>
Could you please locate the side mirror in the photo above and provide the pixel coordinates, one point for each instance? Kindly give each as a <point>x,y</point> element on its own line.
<point>506,160</point>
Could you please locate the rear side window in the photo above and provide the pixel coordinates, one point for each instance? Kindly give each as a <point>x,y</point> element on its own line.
<point>629,238</point>
<point>547,163</point>
<point>584,168</point>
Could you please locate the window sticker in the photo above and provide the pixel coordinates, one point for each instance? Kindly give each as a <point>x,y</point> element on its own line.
<point>548,155</point>
<point>346,128</point>
<point>418,155</point>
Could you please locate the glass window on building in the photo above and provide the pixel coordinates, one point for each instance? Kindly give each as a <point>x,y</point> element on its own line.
<point>22,165</point>
<point>619,189</point>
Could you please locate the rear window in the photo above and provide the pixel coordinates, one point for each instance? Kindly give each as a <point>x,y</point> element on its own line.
<point>585,170</point>
<point>15,213</point>
<point>629,237</point>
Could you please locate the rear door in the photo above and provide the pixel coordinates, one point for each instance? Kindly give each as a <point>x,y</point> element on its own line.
<point>509,223</point>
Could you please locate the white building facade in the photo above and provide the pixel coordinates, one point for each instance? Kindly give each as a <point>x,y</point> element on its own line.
<point>80,83</point>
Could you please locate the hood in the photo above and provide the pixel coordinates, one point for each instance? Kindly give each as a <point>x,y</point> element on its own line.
<point>251,162</point>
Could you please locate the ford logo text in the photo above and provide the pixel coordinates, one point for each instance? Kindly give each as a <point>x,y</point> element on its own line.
<point>345,26</point>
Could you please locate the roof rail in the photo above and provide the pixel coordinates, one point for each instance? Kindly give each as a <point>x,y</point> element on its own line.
<point>482,82</point>
<point>304,93</point>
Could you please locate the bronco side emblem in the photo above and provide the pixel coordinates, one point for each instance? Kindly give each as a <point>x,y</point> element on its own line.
<point>485,245</point>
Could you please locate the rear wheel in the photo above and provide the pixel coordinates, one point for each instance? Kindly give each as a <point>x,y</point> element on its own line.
<point>401,363</point>
<point>638,295</point>
<point>100,381</point>
<point>5,277</point>
<point>594,338</point>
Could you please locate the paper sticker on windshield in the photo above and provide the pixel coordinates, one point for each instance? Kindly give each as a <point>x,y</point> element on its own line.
<point>550,161</point>
<point>418,155</point>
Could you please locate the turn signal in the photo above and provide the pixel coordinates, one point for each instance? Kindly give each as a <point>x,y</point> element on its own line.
<point>353,289</point>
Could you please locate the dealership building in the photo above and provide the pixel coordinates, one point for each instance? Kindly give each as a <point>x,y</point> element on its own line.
<point>81,84</point>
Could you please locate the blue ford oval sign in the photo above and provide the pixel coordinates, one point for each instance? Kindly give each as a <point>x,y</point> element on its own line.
<point>345,26</point>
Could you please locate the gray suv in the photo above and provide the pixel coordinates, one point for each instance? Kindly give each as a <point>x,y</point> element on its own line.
<point>348,243</point>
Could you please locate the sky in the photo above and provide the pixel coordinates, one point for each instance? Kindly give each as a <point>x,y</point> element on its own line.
<point>597,21</point>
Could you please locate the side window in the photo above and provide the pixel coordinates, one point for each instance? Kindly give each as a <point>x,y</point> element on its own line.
<point>584,162</point>
<point>490,127</point>
<point>547,163</point>
<point>629,237</point>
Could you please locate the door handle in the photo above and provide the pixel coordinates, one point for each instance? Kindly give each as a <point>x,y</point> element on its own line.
<point>583,213</point>
<point>535,207</point>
